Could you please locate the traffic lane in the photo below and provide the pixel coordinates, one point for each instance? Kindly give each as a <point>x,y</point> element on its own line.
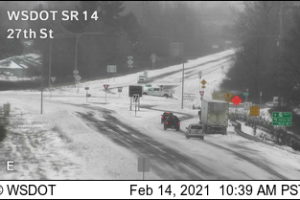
<point>167,162</point>
<point>236,152</point>
<point>185,116</point>
<point>163,75</point>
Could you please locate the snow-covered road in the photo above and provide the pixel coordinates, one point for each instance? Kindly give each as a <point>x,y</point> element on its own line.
<point>99,139</point>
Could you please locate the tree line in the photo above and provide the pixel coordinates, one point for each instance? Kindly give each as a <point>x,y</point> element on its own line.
<point>267,60</point>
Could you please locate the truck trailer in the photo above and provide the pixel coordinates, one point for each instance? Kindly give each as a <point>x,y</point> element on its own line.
<point>214,116</point>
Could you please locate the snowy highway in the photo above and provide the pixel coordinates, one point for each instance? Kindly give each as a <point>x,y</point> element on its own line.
<point>103,139</point>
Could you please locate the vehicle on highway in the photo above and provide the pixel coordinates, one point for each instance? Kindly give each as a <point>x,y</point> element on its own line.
<point>142,79</point>
<point>172,121</point>
<point>214,116</point>
<point>194,130</point>
<point>160,92</point>
<point>164,116</point>
<point>146,87</point>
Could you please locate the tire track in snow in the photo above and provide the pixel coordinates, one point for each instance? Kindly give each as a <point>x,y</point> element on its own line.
<point>240,155</point>
<point>166,162</point>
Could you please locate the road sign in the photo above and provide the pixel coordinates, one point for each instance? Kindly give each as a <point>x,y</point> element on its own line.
<point>120,89</point>
<point>75,72</point>
<point>130,61</point>
<point>236,100</point>
<point>203,82</point>
<point>111,68</point>
<point>246,94</point>
<point>53,78</point>
<point>153,58</point>
<point>254,111</point>
<point>201,92</point>
<point>77,77</point>
<point>228,97</point>
<point>282,118</point>
<point>135,89</point>
<point>105,86</point>
<point>275,101</point>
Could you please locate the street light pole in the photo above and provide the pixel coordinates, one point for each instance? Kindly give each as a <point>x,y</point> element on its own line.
<point>182,83</point>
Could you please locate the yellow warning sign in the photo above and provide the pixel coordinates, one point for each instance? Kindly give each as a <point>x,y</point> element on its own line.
<point>228,97</point>
<point>203,82</point>
<point>254,111</point>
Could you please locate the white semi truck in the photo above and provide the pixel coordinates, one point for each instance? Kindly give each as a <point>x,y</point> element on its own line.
<point>214,116</point>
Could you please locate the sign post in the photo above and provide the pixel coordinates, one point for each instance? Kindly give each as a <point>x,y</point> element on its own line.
<point>106,86</point>
<point>120,89</point>
<point>260,98</point>
<point>200,75</point>
<point>136,100</point>
<point>203,83</point>
<point>246,94</point>
<point>201,94</point>
<point>143,166</point>
<point>86,94</point>
<point>77,78</point>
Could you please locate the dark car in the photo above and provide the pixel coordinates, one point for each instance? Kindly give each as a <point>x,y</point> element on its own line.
<point>172,122</point>
<point>164,116</point>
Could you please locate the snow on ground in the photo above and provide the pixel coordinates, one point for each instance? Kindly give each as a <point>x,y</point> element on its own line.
<point>62,146</point>
<point>101,139</point>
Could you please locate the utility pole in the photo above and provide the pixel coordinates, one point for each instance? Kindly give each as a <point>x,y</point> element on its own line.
<point>76,52</point>
<point>182,83</point>
<point>42,100</point>
<point>279,47</point>
<point>260,98</point>
<point>50,64</point>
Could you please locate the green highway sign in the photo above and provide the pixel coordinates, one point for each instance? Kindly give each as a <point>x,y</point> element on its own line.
<point>282,118</point>
<point>246,94</point>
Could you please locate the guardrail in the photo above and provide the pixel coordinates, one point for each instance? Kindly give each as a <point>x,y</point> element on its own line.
<point>282,137</point>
